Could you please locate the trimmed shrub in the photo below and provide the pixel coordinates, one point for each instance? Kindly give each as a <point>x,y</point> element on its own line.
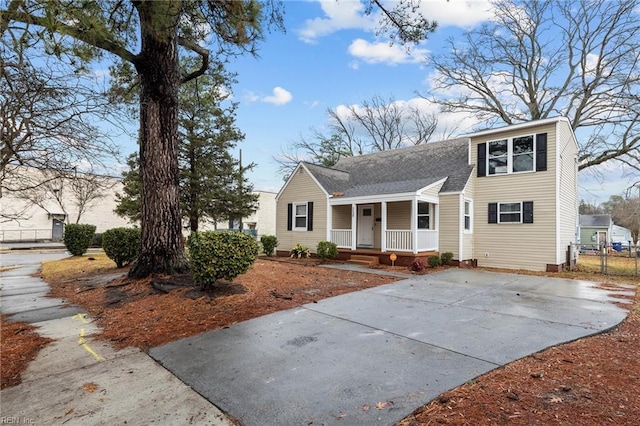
<point>417,265</point>
<point>215,255</point>
<point>300,251</point>
<point>446,257</point>
<point>327,250</point>
<point>269,244</point>
<point>122,245</point>
<point>77,237</point>
<point>434,261</point>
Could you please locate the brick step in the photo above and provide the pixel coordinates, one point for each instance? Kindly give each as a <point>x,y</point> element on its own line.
<point>364,260</point>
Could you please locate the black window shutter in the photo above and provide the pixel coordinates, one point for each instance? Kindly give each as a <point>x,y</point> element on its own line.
<point>541,152</point>
<point>527,212</point>
<point>482,159</point>
<point>310,216</point>
<point>289,216</point>
<point>493,212</point>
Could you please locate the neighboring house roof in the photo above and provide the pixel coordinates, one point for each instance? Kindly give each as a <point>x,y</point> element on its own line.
<point>595,220</point>
<point>400,170</point>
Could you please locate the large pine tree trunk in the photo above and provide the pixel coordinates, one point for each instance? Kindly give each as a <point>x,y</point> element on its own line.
<point>162,247</point>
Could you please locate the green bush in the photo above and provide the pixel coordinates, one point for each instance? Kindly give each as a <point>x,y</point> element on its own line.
<point>434,261</point>
<point>327,250</point>
<point>269,244</point>
<point>215,255</point>
<point>97,240</point>
<point>446,257</point>
<point>299,251</point>
<point>77,238</point>
<point>122,245</point>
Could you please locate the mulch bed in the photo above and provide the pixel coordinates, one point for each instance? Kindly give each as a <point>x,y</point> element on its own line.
<point>20,345</point>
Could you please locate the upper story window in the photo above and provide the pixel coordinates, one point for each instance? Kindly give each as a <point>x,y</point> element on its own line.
<point>423,216</point>
<point>513,155</point>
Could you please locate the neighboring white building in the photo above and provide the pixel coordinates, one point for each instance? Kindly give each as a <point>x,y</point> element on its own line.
<point>620,234</point>
<point>263,220</point>
<point>39,212</point>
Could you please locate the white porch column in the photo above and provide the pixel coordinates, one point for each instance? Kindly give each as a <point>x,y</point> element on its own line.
<point>436,222</point>
<point>329,220</point>
<point>354,225</point>
<point>383,231</point>
<point>414,224</point>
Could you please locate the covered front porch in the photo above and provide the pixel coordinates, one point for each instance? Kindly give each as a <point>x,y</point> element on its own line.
<point>407,225</point>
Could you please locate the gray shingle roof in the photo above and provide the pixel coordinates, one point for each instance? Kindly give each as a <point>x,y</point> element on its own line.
<point>595,220</point>
<point>398,171</point>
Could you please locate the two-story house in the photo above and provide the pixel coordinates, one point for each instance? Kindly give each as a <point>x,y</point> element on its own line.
<point>504,198</point>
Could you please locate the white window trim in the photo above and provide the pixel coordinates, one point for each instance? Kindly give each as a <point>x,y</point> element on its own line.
<point>470,230</point>
<point>294,216</point>
<point>510,156</point>
<point>428,214</point>
<point>511,222</point>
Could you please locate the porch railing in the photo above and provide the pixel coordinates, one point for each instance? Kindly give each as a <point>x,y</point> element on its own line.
<point>397,239</point>
<point>341,237</point>
<point>401,240</point>
<point>427,240</point>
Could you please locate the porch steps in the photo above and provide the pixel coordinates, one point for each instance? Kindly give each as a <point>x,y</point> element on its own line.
<point>361,259</point>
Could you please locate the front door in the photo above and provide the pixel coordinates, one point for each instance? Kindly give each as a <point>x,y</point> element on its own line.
<point>365,226</point>
<point>57,231</point>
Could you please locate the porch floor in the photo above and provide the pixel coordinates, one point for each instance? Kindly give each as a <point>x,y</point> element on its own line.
<point>403,258</point>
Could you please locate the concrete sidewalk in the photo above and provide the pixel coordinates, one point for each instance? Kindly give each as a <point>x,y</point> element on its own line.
<point>373,356</point>
<point>79,380</point>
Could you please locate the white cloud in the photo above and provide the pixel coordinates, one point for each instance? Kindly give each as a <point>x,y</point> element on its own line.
<point>279,97</point>
<point>378,52</point>
<point>455,13</point>
<point>338,15</point>
<point>349,14</point>
<point>251,97</point>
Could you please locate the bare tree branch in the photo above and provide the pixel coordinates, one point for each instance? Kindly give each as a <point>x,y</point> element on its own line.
<point>518,69</point>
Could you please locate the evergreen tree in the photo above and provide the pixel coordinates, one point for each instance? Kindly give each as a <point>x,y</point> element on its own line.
<point>212,186</point>
<point>129,204</point>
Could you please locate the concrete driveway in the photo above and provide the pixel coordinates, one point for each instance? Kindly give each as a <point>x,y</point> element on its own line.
<point>373,356</point>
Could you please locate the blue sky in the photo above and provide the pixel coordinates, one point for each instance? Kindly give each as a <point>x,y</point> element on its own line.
<point>330,57</point>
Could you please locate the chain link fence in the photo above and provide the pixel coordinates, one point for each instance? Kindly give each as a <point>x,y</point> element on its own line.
<point>606,259</point>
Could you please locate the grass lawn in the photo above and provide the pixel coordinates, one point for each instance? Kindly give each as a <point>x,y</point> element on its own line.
<point>617,264</point>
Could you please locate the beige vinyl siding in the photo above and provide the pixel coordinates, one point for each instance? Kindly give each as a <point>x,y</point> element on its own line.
<point>567,175</point>
<point>525,245</point>
<point>301,188</point>
<point>449,232</point>
<point>432,192</point>
<point>341,217</point>
<point>468,238</point>
<point>399,215</point>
